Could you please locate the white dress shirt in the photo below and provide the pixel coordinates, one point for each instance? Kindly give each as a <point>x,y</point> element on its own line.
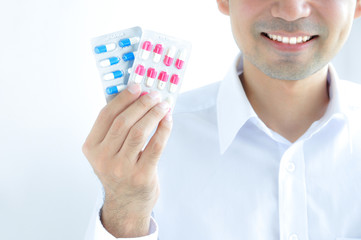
<point>225,175</point>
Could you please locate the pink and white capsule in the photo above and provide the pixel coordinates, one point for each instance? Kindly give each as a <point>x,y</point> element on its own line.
<point>151,75</point>
<point>168,59</point>
<point>158,51</point>
<point>139,73</point>
<point>179,63</point>
<point>173,83</point>
<point>146,48</point>
<point>163,78</point>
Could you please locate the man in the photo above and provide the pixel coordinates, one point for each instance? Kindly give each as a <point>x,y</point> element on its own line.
<point>272,152</point>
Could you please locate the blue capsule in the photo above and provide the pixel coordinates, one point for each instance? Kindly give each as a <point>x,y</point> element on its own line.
<point>128,56</point>
<point>115,89</point>
<point>105,48</point>
<point>113,75</point>
<point>109,61</point>
<point>128,42</point>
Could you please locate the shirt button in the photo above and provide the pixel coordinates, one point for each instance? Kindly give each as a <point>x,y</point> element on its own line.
<point>293,237</point>
<point>291,168</point>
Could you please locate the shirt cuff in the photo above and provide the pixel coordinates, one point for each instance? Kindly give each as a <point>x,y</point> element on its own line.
<point>102,234</point>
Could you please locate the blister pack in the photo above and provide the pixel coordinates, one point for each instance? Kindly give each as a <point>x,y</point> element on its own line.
<point>114,54</point>
<point>160,64</point>
<point>156,61</point>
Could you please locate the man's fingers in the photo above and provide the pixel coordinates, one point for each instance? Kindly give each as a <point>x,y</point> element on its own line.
<point>140,132</point>
<point>154,149</point>
<point>109,113</point>
<point>125,121</point>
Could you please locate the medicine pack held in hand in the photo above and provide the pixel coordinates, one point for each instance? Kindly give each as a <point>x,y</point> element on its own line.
<point>155,61</point>
<point>114,54</point>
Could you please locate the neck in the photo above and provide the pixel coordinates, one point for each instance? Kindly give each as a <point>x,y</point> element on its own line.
<point>287,107</point>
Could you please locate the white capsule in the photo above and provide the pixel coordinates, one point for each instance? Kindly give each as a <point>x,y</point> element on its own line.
<point>133,40</point>
<point>158,51</point>
<point>111,47</point>
<point>163,78</point>
<point>174,80</point>
<point>139,73</point>
<point>138,78</point>
<point>105,63</point>
<point>145,49</point>
<point>172,88</point>
<point>150,82</point>
<point>169,56</point>
<point>151,75</point>
<point>161,85</point>
<point>157,57</point>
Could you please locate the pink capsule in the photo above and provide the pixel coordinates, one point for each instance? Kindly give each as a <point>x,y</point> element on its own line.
<point>163,78</point>
<point>168,59</point>
<point>146,48</point>
<point>179,63</point>
<point>158,51</point>
<point>151,75</point>
<point>139,73</point>
<point>173,83</point>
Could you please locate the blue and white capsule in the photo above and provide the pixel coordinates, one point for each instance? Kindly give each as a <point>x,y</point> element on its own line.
<point>115,89</point>
<point>128,56</point>
<point>126,42</point>
<point>105,48</point>
<point>113,75</point>
<point>109,62</point>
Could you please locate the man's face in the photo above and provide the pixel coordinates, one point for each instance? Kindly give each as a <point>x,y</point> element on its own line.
<point>290,39</point>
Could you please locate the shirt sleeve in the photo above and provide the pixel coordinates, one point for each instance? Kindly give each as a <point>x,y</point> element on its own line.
<point>102,234</point>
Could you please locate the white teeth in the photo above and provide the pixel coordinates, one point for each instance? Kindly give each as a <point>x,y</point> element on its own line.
<point>289,40</point>
<point>306,38</point>
<point>293,40</point>
<point>299,39</point>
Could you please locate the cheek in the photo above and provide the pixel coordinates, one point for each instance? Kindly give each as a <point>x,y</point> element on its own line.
<point>243,13</point>
<point>339,15</point>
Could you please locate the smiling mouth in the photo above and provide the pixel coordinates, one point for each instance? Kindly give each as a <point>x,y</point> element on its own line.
<point>289,40</point>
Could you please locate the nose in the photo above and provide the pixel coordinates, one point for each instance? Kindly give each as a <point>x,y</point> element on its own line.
<point>291,10</point>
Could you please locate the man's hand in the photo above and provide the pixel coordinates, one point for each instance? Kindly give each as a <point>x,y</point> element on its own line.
<point>128,174</point>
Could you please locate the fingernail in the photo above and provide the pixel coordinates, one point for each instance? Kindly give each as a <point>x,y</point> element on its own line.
<point>164,106</point>
<point>154,95</point>
<point>169,117</point>
<point>134,88</point>
<point>170,101</point>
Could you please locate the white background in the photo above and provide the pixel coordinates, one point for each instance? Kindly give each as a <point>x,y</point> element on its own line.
<point>50,95</point>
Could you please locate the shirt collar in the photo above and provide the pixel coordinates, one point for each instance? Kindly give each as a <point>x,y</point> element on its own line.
<point>234,109</point>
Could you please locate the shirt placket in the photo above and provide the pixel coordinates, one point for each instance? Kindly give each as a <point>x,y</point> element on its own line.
<point>292,194</point>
